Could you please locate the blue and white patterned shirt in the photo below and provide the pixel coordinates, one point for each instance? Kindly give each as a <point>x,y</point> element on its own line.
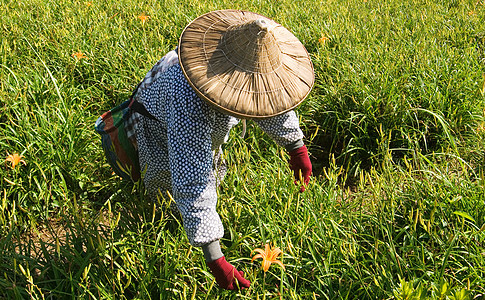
<point>180,151</point>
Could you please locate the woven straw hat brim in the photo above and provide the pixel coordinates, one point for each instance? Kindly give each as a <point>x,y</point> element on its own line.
<point>245,64</point>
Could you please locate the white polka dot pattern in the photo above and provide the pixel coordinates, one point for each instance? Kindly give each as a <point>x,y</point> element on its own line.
<point>181,151</point>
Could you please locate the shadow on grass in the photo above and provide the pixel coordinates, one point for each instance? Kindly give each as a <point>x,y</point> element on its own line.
<point>110,250</point>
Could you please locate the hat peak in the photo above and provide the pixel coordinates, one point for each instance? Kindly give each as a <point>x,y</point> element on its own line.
<point>263,25</point>
<point>251,46</point>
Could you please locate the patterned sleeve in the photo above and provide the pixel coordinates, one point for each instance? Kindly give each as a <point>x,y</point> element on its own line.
<point>283,129</point>
<point>190,156</point>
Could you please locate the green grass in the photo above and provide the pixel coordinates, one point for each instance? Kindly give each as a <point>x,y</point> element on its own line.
<point>395,125</point>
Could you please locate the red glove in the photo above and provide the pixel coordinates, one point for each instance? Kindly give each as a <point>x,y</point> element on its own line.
<point>300,162</point>
<point>226,275</point>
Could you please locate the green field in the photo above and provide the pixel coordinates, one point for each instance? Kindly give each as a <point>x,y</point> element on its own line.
<point>395,125</point>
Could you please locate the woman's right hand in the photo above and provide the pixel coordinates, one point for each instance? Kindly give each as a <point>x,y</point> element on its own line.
<point>301,165</point>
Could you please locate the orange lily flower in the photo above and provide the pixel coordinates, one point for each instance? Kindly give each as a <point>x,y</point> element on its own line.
<point>79,55</point>
<point>269,256</point>
<point>323,39</point>
<point>143,18</point>
<point>15,159</point>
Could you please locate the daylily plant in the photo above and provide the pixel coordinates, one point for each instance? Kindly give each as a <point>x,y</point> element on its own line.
<point>269,256</point>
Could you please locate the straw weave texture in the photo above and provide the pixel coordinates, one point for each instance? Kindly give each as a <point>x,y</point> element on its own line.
<point>245,64</point>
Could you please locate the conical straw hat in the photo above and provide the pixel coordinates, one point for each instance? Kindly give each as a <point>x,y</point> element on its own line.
<point>245,64</point>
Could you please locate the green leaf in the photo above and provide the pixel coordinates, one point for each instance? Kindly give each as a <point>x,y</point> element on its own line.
<point>464,215</point>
